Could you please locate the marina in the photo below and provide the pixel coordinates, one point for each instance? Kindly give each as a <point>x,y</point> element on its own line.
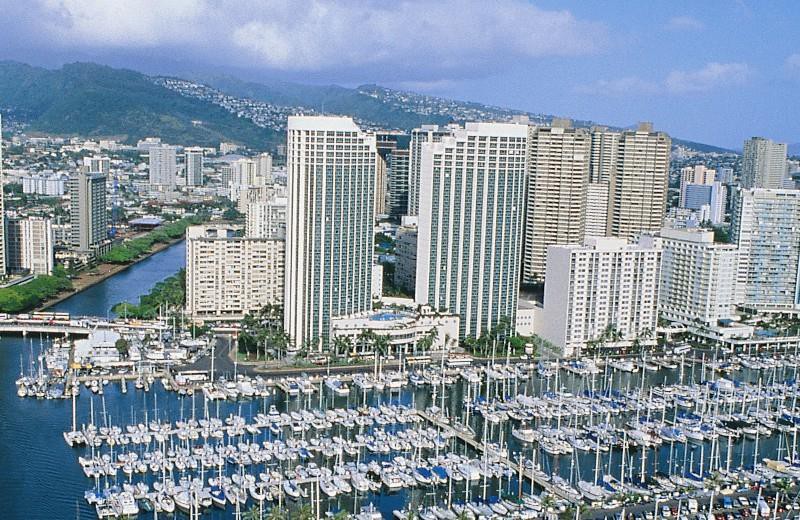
<point>452,437</point>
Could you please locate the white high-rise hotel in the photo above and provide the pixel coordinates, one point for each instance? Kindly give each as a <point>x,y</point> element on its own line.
<point>471,201</point>
<point>764,225</point>
<point>606,284</point>
<point>698,280</point>
<point>329,229</point>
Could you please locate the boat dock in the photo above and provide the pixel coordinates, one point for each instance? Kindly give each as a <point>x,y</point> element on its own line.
<point>470,441</point>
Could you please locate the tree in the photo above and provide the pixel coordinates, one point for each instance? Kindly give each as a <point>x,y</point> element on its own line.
<point>304,513</point>
<point>278,513</point>
<point>380,343</point>
<point>122,347</point>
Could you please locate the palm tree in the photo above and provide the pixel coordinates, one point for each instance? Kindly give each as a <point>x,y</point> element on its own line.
<point>783,486</point>
<point>305,513</point>
<point>341,345</point>
<point>252,514</point>
<point>278,513</point>
<point>380,343</point>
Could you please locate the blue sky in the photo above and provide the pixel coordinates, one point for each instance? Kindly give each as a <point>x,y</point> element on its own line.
<point>712,71</point>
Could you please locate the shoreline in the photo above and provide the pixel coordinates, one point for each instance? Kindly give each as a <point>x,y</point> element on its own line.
<point>102,272</point>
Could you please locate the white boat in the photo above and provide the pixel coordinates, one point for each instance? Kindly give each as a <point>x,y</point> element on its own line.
<point>524,434</point>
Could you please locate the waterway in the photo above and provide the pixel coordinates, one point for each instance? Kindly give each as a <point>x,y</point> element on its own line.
<point>41,479</point>
<point>127,285</point>
<point>39,476</point>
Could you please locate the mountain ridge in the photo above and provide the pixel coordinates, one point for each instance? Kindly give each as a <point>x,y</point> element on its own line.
<point>95,100</point>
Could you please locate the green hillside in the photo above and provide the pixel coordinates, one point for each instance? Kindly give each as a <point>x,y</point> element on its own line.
<point>325,98</point>
<point>97,101</point>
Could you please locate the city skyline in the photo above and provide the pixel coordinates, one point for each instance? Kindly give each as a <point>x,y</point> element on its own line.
<point>677,65</point>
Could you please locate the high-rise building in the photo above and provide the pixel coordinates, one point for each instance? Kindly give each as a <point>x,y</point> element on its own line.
<point>763,164</point>
<point>765,225</point>
<point>397,171</point>
<point>695,175</point>
<point>265,212</point>
<point>163,166</point>
<point>605,291</point>
<point>709,199</point>
<point>638,184</point>
<point>602,164</point>
<point>698,277</point>
<point>228,276</point>
<point>3,263</point>
<point>88,215</point>
<point>96,164</point>
<point>264,168</point>
<point>725,175</point>
<point>405,251</point>
<point>194,166</point>
<point>391,191</point>
<point>30,245</point>
<point>596,210</point>
<point>558,175</point>
<point>469,241</point>
<point>329,228</point>
<point>419,136</point>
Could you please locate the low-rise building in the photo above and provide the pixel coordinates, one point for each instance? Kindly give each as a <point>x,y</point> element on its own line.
<point>228,276</point>
<point>405,329</point>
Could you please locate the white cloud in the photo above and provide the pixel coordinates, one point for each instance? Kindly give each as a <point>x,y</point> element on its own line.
<point>127,23</point>
<point>792,64</point>
<point>684,23</point>
<point>711,76</point>
<point>714,75</point>
<point>619,86</point>
<point>315,35</point>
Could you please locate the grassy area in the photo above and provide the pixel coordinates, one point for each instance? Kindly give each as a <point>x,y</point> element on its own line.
<point>167,293</point>
<point>130,250</point>
<point>24,297</point>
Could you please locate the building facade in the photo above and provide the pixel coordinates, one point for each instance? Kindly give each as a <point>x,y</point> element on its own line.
<point>329,227</point>
<point>763,164</point>
<point>765,226</point>
<point>638,184</point>
<point>692,176</point>
<point>193,158</point>
<point>88,215</point>
<point>469,241</point>
<point>558,175</point>
<point>405,251</point>
<point>228,276</point>
<point>30,245</point>
<point>419,136</point>
<point>163,165</point>
<point>698,277</point>
<point>265,212</point>
<point>603,292</point>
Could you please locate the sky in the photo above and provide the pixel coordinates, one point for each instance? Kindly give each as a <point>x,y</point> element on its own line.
<point>715,71</point>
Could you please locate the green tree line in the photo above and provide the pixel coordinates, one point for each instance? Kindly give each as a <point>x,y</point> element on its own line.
<point>166,294</point>
<point>24,297</point>
<point>130,250</point>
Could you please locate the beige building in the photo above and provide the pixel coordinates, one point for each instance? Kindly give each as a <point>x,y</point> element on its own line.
<point>763,164</point>
<point>638,184</point>
<point>228,276</point>
<point>558,174</point>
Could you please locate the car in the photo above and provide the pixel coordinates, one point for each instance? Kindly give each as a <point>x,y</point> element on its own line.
<point>665,512</point>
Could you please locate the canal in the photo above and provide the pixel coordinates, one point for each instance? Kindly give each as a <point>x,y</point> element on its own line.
<point>39,477</point>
